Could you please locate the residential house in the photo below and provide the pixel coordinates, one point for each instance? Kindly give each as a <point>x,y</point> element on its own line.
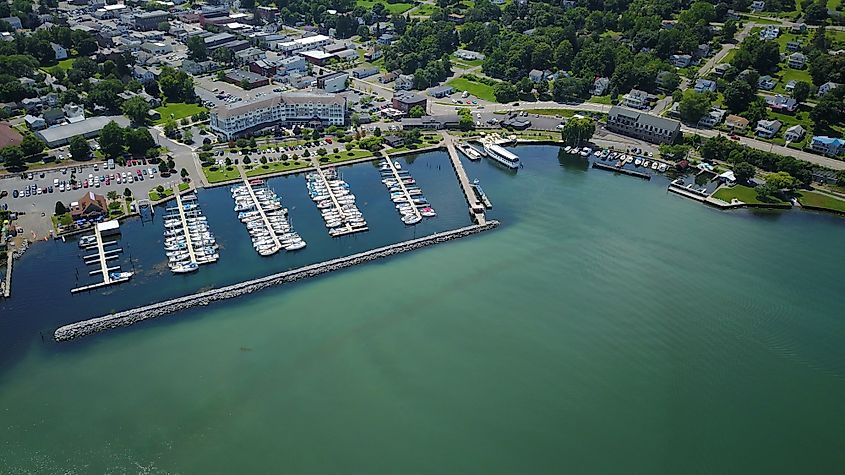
<point>535,75</point>
<point>643,126</point>
<point>712,118</point>
<point>404,82</point>
<point>793,45</point>
<point>680,60</point>
<point>637,99</point>
<point>721,69</point>
<point>767,129</point>
<point>757,6</point>
<point>770,32</point>
<point>827,87</point>
<point>373,54</point>
<point>53,116</point>
<point>796,60</point>
<point>388,77</point>
<point>143,74</point>
<point>441,91</point>
<point>59,51</point>
<point>361,73</point>
<point>469,55</point>
<point>702,50</point>
<point>13,21</point>
<point>705,85</point>
<point>790,86</point>
<point>34,123</point>
<point>781,103</point>
<point>31,104</point>
<point>827,145</point>
<point>74,113</point>
<point>766,83</point>
<point>798,28</point>
<point>600,85</point>
<point>794,134</point>
<point>249,55</point>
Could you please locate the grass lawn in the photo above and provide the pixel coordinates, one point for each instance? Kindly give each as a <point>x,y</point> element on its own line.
<point>600,100</point>
<point>424,9</point>
<point>215,174</point>
<point>64,64</point>
<point>345,156</point>
<point>788,74</point>
<point>743,193</point>
<point>730,56</point>
<point>178,110</point>
<point>184,186</point>
<point>397,8</point>
<point>819,200</point>
<point>277,167</point>
<point>469,63</point>
<point>477,89</point>
<point>155,195</point>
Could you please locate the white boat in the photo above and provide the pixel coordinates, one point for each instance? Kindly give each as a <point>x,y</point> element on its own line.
<point>655,165</point>
<point>185,268</point>
<point>120,275</point>
<point>501,155</point>
<point>86,241</point>
<point>638,161</point>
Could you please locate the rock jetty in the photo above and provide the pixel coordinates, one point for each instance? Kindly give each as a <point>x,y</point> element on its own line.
<point>135,315</point>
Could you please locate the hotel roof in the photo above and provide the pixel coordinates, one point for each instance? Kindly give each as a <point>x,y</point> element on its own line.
<point>276,99</point>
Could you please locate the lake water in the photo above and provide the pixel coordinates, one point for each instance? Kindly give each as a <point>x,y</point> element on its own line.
<point>607,326</point>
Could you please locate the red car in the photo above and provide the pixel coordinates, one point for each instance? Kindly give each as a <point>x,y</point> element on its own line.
<point>328,140</point>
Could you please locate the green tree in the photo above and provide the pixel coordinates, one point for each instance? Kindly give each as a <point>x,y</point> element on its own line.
<point>744,171</point>
<point>801,91</point>
<point>139,141</point>
<point>127,193</point>
<point>79,148</point>
<point>197,50</point>
<point>693,106</point>
<point>578,130</point>
<point>377,131</point>
<point>187,137</point>
<point>12,157</point>
<point>60,208</point>
<point>183,173</point>
<point>416,112</point>
<point>111,140</point>
<point>465,121</point>
<point>170,127</point>
<point>31,145</point>
<point>137,109</point>
<point>738,95</point>
<point>505,92</point>
<point>781,180</point>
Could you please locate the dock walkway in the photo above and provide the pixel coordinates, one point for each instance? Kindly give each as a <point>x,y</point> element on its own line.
<point>402,185</point>
<point>188,243</point>
<point>276,243</point>
<point>103,259</point>
<point>347,228</point>
<point>7,286</point>
<point>476,208</point>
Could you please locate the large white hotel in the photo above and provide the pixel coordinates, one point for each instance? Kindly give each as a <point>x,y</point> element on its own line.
<point>284,108</point>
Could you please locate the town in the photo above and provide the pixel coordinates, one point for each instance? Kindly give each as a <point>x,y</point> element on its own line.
<point>110,108</point>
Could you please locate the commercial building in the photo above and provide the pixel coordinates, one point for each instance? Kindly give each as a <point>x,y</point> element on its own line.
<point>303,44</point>
<point>149,20</point>
<point>333,82</point>
<point>405,101</point>
<point>246,79</point>
<point>285,108</point>
<point>642,126</point>
<point>91,127</point>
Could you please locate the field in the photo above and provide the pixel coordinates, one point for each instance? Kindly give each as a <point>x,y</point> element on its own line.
<point>746,194</point>
<point>423,9</point>
<point>277,167</point>
<point>178,110</point>
<point>397,8</point>
<point>477,89</point>
<point>600,100</point>
<point>155,195</point>
<point>819,200</point>
<point>215,174</point>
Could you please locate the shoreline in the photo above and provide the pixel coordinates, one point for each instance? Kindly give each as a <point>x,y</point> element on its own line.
<point>130,317</point>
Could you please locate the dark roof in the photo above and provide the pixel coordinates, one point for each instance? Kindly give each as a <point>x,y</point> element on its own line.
<point>645,119</point>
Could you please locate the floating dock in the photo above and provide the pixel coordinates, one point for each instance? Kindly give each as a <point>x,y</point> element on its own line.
<point>7,285</point>
<point>401,184</point>
<point>276,243</point>
<point>624,171</point>
<point>102,257</point>
<point>476,208</point>
<point>347,227</point>
<point>188,243</point>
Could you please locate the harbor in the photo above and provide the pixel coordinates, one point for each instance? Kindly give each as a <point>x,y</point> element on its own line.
<point>410,202</point>
<point>188,240</point>
<point>266,220</point>
<point>111,275</point>
<point>335,202</point>
<point>476,208</point>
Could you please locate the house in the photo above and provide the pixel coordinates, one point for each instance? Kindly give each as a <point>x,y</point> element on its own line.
<point>827,145</point>
<point>702,50</point>
<point>636,99</point>
<point>767,128</point>
<point>796,60</point>
<point>405,101</point>
<point>394,140</point>
<point>469,55</point>
<point>373,54</point>
<point>59,50</point>
<point>790,86</point>
<point>794,134</point>
<point>34,123</point>
<point>91,205</point>
<point>143,74</point>
<point>53,116</point>
<point>361,73</point>
<point>456,18</point>
<point>31,104</point>
<point>388,77</point>
<point>249,55</point>
<point>827,87</point>
<point>712,118</point>
<point>74,113</point>
<point>333,82</point>
<point>13,21</point>
<point>440,91</point>
<point>600,85</point>
<point>770,32</point>
<point>404,82</point>
<point>667,24</point>
<point>680,60</point>
<point>643,126</point>
<point>705,85</point>
<point>721,69</point>
<point>798,28</point>
<point>757,6</point>
<point>766,83</point>
<point>535,75</point>
<point>781,103</point>
<point>793,45</point>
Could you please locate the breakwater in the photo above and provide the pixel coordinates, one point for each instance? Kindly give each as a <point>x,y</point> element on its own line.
<point>135,315</point>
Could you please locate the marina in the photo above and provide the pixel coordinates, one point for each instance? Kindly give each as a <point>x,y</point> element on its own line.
<point>188,241</point>
<point>335,202</point>
<point>405,193</point>
<point>469,151</point>
<point>111,275</point>
<point>261,211</point>
<point>476,208</point>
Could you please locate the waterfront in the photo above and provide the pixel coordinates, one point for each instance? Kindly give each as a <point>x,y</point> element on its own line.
<point>607,326</point>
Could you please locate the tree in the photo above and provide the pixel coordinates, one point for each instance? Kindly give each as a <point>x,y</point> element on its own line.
<point>693,106</point>
<point>578,130</point>
<point>197,50</point>
<point>164,26</point>
<point>111,140</point>
<point>139,141</point>
<point>127,193</point>
<point>505,92</point>
<point>377,131</point>
<point>416,112</point>
<point>112,195</point>
<point>60,208</point>
<point>170,127</point>
<point>162,166</point>
<point>12,157</point>
<point>31,145</point>
<point>187,137</point>
<point>801,91</point>
<point>781,180</point>
<point>79,148</point>
<point>738,95</point>
<point>744,171</point>
<point>465,121</point>
<point>136,108</point>
<point>183,173</point>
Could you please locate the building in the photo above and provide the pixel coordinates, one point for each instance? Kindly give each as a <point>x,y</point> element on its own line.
<point>735,123</point>
<point>827,87</point>
<point>721,69</point>
<point>643,126</point>
<point>469,55</point>
<point>246,79</point>
<point>441,91</point>
<point>156,48</point>
<point>827,145</point>
<point>712,118</point>
<point>758,6</point>
<point>218,39</point>
<point>91,205</point>
<point>13,21</point>
<point>361,73</point>
<point>91,127</point>
<point>316,57</point>
<point>795,133</point>
<point>636,99</point>
<point>766,83</point>
<point>770,32</point>
<point>404,82</point>
<point>9,136</point>
<point>793,45</point>
<point>600,85</point>
<point>432,122</point>
<point>333,82</point>
<point>145,21</point>
<point>535,75</point>
<point>250,55</point>
<point>292,64</point>
<point>796,60</point>
<point>405,101</point>
<point>780,103</point>
<point>34,122</point>
<point>767,129</point>
<point>705,85</point>
<point>680,60</point>
<point>59,51</point>
<point>285,108</point>
<point>304,44</point>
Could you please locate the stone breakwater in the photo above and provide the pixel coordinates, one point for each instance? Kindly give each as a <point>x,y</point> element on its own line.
<point>135,315</point>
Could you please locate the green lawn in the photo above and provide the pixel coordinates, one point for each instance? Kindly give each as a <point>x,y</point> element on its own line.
<point>215,174</point>
<point>730,56</point>
<point>397,8</point>
<point>424,9</point>
<point>155,195</point>
<point>477,89</point>
<point>178,110</point>
<point>467,63</point>
<point>345,156</point>
<point>743,193</point>
<point>600,100</point>
<point>277,167</point>
<point>819,200</point>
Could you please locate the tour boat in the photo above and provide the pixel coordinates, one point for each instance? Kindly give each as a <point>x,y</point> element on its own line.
<point>501,155</point>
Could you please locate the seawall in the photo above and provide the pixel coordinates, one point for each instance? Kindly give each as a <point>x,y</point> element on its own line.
<point>135,315</point>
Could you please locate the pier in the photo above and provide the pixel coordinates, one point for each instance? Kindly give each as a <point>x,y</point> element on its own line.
<point>401,184</point>
<point>135,315</point>
<point>347,228</point>
<point>101,257</point>
<point>188,243</point>
<point>276,243</point>
<point>7,285</point>
<point>624,171</point>
<point>476,208</point>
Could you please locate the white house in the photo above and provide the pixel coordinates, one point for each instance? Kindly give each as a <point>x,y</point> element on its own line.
<point>758,6</point>
<point>705,85</point>
<point>797,60</point>
<point>712,118</point>
<point>794,134</point>
<point>767,128</point>
<point>680,60</point>
<point>827,87</point>
<point>637,99</point>
<point>59,50</point>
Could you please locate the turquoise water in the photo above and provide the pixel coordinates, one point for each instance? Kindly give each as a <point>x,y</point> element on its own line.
<point>606,327</point>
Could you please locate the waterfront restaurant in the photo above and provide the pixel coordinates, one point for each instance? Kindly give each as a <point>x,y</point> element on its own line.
<point>91,205</point>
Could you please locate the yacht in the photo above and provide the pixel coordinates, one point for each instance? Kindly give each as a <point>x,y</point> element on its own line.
<point>501,155</point>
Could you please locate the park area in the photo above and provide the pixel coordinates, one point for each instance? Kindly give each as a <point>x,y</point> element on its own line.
<point>746,194</point>
<point>477,89</point>
<point>822,201</point>
<point>392,8</point>
<point>178,110</point>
